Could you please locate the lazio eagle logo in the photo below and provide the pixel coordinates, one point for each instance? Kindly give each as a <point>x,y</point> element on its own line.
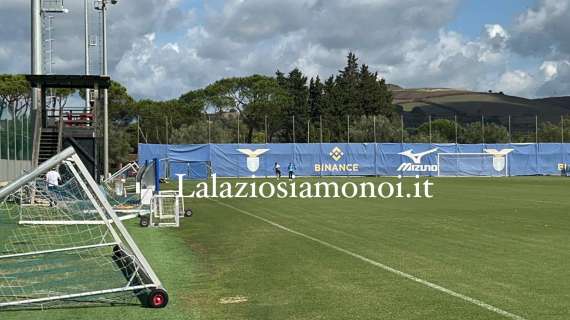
<point>499,157</point>
<point>253,158</point>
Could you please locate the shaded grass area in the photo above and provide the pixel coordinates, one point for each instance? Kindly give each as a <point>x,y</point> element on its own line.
<point>503,241</point>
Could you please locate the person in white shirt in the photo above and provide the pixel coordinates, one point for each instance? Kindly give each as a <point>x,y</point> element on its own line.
<point>277,169</point>
<point>53,178</point>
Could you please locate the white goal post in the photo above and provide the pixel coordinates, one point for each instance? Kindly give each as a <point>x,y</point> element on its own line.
<point>122,182</point>
<point>472,165</point>
<point>88,259</point>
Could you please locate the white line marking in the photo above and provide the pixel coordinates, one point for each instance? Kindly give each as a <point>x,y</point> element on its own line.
<point>426,283</point>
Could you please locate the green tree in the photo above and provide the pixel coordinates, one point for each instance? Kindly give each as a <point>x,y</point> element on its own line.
<point>315,98</point>
<point>347,88</point>
<point>494,133</point>
<point>14,94</point>
<point>295,85</point>
<point>255,98</point>
<point>549,132</point>
<point>442,130</point>
<point>122,107</point>
<point>119,146</point>
<point>374,96</point>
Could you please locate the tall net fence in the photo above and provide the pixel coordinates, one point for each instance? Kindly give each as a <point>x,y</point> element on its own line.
<point>409,127</point>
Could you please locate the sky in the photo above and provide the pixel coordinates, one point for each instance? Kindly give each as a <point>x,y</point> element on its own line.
<point>160,49</point>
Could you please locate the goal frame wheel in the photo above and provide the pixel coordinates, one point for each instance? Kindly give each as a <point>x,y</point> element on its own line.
<point>157,298</point>
<point>144,221</point>
<point>118,252</point>
<point>188,213</point>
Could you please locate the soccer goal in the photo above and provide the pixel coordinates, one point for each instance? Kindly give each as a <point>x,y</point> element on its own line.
<point>472,165</point>
<point>167,207</point>
<point>166,210</point>
<point>122,183</point>
<point>76,253</point>
<point>170,169</point>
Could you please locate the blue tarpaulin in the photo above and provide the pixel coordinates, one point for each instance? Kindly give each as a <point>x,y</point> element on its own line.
<point>359,159</point>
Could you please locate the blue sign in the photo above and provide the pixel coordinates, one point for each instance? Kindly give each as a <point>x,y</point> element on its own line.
<point>359,159</point>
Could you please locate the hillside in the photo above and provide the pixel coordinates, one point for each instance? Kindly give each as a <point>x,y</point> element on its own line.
<point>418,104</point>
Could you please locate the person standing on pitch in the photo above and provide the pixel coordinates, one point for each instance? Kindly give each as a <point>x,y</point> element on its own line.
<point>277,169</point>
<point>53,178</point>
<point>291,169</point>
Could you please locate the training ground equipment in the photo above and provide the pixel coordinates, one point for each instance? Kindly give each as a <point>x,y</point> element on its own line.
<point>165,211</point>
<point>170,169</point>
<point>472,165</point>
<point>77,252</point>
<point>167,207</point>
<point>123,182</point>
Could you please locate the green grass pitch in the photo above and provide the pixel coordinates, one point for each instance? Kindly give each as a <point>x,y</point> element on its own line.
<point>504,242</point>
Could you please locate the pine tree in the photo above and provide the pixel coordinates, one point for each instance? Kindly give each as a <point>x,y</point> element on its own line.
<point>315,98</point>
<point>347,83</point>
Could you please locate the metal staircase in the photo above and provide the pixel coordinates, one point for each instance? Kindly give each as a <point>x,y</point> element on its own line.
<point>51,136</point>
<point>49,142</point>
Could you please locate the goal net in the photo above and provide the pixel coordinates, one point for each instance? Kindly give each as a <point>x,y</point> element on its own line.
<point>472,165</point>
<point>65,246</point>
<point>170,169</point>
<point>122,183</point>
<point>166,210</point>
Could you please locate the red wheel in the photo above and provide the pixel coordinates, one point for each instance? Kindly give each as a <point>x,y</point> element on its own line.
<point>157,298</point>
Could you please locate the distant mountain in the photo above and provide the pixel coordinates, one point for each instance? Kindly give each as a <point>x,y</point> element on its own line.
<point>469,106</point>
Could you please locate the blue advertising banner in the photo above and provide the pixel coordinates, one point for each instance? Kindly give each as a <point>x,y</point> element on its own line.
<point>359,159</point>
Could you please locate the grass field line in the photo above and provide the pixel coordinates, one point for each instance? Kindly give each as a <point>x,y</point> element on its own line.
<point>402,274</point>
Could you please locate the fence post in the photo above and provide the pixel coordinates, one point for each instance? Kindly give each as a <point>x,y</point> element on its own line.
<point>265,129</point>
<point>138,132</point>
<point>8,140</point>
<point>430,129</point>
<point>15,136</point>
<point>293,128</point>
<point>510,132</point>
<point>166,128</point>
<point>22,146</point>
<point>321,127</point>
<point>374,127</point>
<point>238,128</point>
<point>456,131</point>
<point>375,148</point>
<point>29,134</point>
<point>483,128</point>
<point>348,128</point>
<point>309,131</point>
<point>536,128</point>
<point>1,150</point>
<point>209,130</point>
<point>402,126</point>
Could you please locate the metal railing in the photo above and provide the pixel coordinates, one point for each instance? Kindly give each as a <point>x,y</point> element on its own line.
<point>71,117</point>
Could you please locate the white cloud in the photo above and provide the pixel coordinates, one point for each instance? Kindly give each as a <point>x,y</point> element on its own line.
<point>549,69</point>
<point>516,82</point>
<point>161,51</point>
<point>543,30</point>
<point>557,80</point>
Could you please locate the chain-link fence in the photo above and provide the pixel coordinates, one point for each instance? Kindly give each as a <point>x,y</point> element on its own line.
<point>16,143</point>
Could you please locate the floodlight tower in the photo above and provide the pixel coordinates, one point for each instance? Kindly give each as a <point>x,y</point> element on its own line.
<point>102,5</point>
<point>49,8</point>
<point>36,47</point>
<point>86,20</point>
